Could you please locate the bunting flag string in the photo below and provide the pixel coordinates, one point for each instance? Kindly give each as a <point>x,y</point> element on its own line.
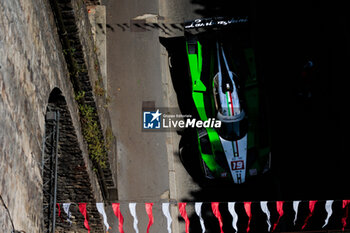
<point>215,207</point>
<point>118,214</point>
<point>312,208</point>
<point>149,212</point>
<point>248,210</point>
<point>295,208</point>
<point>231,209</point>
<point>216,211</point>
<point>265,209</point>
<point>198,210</point>
<point>101,209</point>
<point>182,210</point>
<point>165,209</point>
<point>328,208</point>
<point>132,209</point>
<point>346,207</point>
<point>83,211</point>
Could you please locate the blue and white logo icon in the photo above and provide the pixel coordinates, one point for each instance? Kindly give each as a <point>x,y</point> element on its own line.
<point>151,120</point>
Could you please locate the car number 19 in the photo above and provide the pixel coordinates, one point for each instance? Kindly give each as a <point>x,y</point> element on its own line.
<point>237,165</point>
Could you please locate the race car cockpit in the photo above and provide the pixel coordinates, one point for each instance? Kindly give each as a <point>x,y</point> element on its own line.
<point>229,109</point>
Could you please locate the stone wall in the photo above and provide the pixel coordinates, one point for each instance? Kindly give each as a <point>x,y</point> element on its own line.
<point>32,64</point>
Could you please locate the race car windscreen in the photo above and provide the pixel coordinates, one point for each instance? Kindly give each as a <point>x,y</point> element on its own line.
<point>232,127</point>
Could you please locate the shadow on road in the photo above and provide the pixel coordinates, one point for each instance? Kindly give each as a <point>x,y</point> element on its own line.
<point>222,7</point>
<point>309,114</point>
<point>309,109</point>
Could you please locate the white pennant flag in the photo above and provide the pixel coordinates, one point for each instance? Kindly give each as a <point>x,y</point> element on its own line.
<point>295,208</point>
<point>198,209</point>
<point>329,211</point>
<point>66,210</point>
<point>265,209</point>
<point>165,209</point>
<point>231,209</point>
<point>101,209</point>
<point>132,208</point>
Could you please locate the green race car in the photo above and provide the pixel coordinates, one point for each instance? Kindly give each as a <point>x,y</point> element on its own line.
<point>225,86</point>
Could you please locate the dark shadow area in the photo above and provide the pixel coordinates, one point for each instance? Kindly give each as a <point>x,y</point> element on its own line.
<point>309,114</point>
<point>309,117</point>
<point>223,8</point>
<point>302,55</point>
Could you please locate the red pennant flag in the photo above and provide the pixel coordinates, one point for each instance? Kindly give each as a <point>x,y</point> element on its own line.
<point>216,211</point>
<point>343,220</point>
<point>182,210</point>
<point>312,208</point>
<point>83,211</point>
<point>279,207</point>
<point>117,212</point>
<point>59,211</point>
<point>247,207</point>
<point>150,215</point>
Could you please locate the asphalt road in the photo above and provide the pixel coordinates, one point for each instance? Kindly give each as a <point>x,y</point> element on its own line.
<point>148,168</point>
<point>135,76</point>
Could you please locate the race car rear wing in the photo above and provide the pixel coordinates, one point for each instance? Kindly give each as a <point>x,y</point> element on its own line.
<point>215,22</point>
